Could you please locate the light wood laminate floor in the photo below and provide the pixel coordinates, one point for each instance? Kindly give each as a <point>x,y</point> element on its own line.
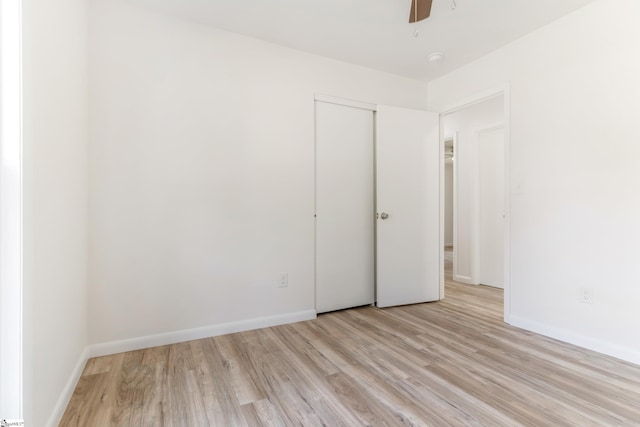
<point>441,364</point>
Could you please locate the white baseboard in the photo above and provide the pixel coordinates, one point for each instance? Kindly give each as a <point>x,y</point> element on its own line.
<point>463,279</point>
<point>604,347</point>
<point>113,347</point>
<point>70,386</point>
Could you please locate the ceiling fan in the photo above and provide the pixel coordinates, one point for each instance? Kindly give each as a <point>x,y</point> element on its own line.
<point>421,9</point>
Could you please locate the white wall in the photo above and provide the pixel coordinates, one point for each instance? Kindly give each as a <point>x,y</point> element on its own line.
<point>575,173</point>
<point>55,133</point>
<point>202,172</point>
<point>467,122</point>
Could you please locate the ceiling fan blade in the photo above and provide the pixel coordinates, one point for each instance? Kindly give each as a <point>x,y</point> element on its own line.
<point>424,10</point>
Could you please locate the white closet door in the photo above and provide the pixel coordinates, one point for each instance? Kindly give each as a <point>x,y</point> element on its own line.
<point>491,170</point>
<point>344,207</point>
<point>408,191</point>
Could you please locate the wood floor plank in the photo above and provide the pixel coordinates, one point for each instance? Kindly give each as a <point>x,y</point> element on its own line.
<point>216,384</point>
<point>154,405</point>
<point>312,370</point>
<point>239,370</point>
<point>87,391</point>
<point>450,363</point>
<point>262,414</point>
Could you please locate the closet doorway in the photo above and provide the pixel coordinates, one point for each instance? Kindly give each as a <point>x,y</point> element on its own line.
<point>377,211</point>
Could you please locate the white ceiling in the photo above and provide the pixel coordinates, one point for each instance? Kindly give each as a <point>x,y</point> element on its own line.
<point>376,33</point>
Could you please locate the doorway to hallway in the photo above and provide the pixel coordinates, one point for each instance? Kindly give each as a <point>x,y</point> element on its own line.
<point>475,147</point>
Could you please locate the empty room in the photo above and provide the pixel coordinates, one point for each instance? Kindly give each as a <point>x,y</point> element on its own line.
<point>338,213</point>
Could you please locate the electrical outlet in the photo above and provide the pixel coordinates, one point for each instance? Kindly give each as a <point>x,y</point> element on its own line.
<point>284,280</point>
<point>586,295</point>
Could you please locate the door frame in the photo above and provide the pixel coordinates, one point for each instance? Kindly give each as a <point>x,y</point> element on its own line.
<point>505,92</point>
<point>11,305</point>
<point>454,259</point>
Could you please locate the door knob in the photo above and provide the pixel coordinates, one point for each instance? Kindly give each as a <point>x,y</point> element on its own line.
<point>384,215</point>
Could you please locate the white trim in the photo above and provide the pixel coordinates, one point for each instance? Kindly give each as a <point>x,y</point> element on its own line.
<point>345,102</point>
<point>584,341</point>
<point>507,201</point>
<point>454,259</point>
<point>11,311</point>
<point>315,204</point>
<point>442,220</point>
<point>67,392</point>
<point>113,347</point>
<point>463,279</point>
<point>476,99</point>
<point>491,128</point>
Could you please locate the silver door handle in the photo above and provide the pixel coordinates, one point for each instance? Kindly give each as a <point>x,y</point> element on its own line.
<point>384,215</point>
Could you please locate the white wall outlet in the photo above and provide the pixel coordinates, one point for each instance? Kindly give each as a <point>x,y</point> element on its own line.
<point>586,295</point>
<point>284,280</point>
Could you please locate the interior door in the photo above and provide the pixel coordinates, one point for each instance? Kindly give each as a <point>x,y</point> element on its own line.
<point>491,183</point>
<point>408,244</point>
<point>344,207</point>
